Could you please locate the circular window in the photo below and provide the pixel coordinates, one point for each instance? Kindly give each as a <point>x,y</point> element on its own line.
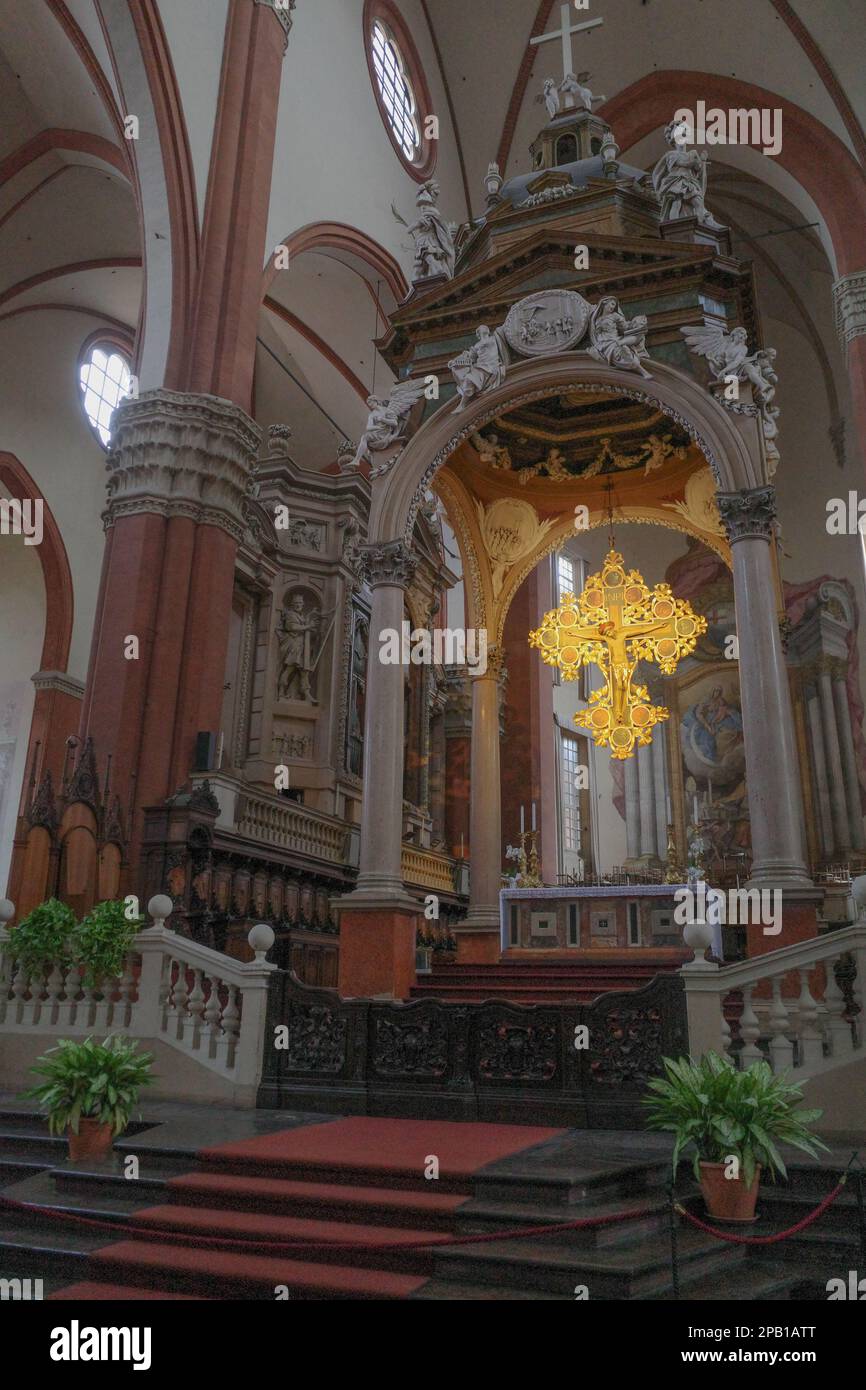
<point>104,377</point>
<point>400,87</point>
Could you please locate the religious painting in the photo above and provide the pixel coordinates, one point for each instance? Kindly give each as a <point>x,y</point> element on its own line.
<point>713,756</point>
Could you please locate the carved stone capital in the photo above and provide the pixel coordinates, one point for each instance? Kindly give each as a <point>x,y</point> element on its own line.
<point>389,563</point>
<point>748,515</point>
<point>495,668</point>
<point>179,454</point>
<point>849,298</point>
<point>283,10</point>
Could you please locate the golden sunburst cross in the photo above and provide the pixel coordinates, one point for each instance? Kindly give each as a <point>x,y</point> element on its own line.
<point>617,622</point>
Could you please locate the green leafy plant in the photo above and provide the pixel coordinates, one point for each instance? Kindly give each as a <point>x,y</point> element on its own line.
<point>43,938</point>
<point>102,941</point>
<point>90,1081</point>
<point>723,1111</point>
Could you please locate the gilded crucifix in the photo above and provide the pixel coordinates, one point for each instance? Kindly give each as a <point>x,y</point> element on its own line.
<point>617,622</point>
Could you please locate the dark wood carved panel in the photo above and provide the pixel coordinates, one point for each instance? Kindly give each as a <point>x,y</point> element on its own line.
<point>495,1060</point>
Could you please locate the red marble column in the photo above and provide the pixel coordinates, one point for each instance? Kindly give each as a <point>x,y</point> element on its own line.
<point>181,461</point>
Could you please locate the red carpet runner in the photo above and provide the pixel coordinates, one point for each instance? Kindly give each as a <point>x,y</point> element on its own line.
<point>330,1183</point>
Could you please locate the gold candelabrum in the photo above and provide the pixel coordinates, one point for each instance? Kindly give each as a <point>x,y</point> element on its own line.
<point>529,874</point>
<point>674,872</point>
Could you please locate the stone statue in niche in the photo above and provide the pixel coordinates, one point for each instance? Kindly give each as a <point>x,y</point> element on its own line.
<point>614,339</point>
<point>299,637</point>
<point>386,422</point>
<point>480,368</point>
<point>432,236</point>
<point>680,180</point>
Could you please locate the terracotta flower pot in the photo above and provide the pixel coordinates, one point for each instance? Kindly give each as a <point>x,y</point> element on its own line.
<point>728,1199</point>
<point>93,1140</point>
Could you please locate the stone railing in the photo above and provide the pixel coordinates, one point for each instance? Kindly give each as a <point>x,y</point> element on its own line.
<point>286,825</point>
<point>423,868</point>
<point>193,999</point>
<point>789,1001</point>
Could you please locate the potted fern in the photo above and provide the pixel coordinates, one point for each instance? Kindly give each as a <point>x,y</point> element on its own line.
<point>726,1113</point>
<point>90,1090</point>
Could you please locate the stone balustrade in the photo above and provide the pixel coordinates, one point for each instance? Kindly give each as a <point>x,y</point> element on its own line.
<point>193,999</point>
<point>423,868</point>
<point>271,820</point>
<point>787,1017</point>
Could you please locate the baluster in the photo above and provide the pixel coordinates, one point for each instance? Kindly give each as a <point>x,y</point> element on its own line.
<point>5,977</point>
<point>32,1009</point>
<point>71,988</point>
<point>53,990</point>
<point>195,1009</point>
<point>212,1016</point>
<point>781,1046</point>
<point>122,1014</point>
<point>165,994</point>
<point>88,1006</point>
<point>810,1037</point>
<point>838,1027</point>
<point>180,995</point>
<point>231,1022</point>
<point>102,1006</point>
<point>19,991</point>
<point>750,1030</point>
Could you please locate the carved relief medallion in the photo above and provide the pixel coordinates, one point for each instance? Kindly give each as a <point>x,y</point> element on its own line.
<point>550,321</point>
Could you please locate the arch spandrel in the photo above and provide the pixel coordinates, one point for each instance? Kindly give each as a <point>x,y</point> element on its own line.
<point>729,442</point>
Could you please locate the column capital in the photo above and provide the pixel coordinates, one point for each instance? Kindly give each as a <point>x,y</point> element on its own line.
<point>389,562</point>
<point>750,514</point>
<point>283,10</point>
<point>182,454</point>
<point>495,668</point>
<point>849,299</point>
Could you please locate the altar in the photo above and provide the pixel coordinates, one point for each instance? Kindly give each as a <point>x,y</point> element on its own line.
<point>612,916</point>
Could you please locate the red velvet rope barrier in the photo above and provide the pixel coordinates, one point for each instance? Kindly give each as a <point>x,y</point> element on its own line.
<point>172,1235</point>
<point>763,1240</point>
<point>144,1232</point>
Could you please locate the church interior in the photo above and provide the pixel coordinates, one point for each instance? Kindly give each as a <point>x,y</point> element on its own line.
<point>432,689</point>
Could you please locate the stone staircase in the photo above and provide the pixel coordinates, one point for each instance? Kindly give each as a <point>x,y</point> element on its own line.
<point>575,1175</point>
<point>546,978</point>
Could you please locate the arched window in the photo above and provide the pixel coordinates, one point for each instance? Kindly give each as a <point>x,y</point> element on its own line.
<point>395,89</point>
<point>105,378</point>
<point>400,86</point>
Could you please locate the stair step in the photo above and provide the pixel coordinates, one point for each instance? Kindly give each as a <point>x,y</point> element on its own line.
<point>266,1227</point>
<point>388,1206</point>
<point>611,1272</point>
<point>245,1276</point>
<point>88,1291</point>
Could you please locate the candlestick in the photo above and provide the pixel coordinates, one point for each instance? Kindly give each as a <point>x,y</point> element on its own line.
<point>522,825</point>
<point>533,815</point>
<point>461,846</point>
<point>695,810</point>
<point>668,816</point>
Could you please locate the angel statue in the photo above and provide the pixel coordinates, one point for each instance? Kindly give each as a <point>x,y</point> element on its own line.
<point>387,419</point>
<point>680,181</point>
<point>728,355</point>
<point>577,87</point>
<point>433,237</point>
<point>614,339</point>
<point>480,367</point>
<point>550,97</point>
